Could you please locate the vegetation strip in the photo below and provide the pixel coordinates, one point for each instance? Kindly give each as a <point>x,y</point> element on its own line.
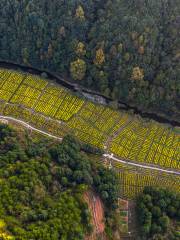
<point>105,155</point>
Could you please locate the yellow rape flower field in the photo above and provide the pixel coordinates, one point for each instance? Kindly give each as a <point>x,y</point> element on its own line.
<point>51,107</point>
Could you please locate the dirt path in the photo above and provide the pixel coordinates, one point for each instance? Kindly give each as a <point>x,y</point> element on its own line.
<point>28,126</point>
<point>110,156</point>
<point>97,212</point>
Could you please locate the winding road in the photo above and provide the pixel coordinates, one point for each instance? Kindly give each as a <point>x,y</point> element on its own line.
<point>106,155</point>
<point>29,126</point>
<point>110,156</point>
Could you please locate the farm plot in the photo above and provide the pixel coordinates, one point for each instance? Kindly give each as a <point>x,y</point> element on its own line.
<point>133,180</point>
<point>123,215</point>
<point>128,137</point>
<point>150,143</point>
<point>37,120</point>
<point>9,82</point>
<point>102,118</point>
<point>86,132</point>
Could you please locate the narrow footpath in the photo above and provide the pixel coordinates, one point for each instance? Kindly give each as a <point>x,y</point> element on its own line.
<point>28,126</point>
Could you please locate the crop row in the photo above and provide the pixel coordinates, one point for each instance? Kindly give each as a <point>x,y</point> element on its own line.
<point>151,143</point>
<point>133,179</point>
<point>33,92</point>
<point>34,119</point>
<point>9,82</point>
<point>101,117</point>
<point>132,182</point>
<point>127,137</point>
<point>86,132</point>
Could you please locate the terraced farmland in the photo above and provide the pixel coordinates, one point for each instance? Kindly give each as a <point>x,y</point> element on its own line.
<point>149,143</point>
<point>133,180</point>
<point>56,110</point>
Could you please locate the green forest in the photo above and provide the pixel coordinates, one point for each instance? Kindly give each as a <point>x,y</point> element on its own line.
<point>41,188</point>
<point>126,49</point>
<point>159,214</point>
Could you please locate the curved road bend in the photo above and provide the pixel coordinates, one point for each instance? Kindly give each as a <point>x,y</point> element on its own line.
<point>110,156</point>
<point>29,126</point>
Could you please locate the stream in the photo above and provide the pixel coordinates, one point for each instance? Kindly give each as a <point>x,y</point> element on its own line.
<point>89,94</point>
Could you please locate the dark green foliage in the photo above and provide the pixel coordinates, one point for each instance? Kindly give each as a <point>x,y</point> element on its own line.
<point>5,131</point>
<point>91,149</point>
<point>137,42</point>
<point>41,188</point>
<point>105,182</point>
<point>32,201</point>
<point>156,207</point>
<point>77,169</point>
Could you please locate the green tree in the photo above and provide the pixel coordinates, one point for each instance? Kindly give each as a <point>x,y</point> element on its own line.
<point>164,222</point>
<point>78,69</point>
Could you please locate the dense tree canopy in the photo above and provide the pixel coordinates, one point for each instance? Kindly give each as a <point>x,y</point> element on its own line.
<point>128,50</point>
<point>41,188</point>
<point>159,214</point>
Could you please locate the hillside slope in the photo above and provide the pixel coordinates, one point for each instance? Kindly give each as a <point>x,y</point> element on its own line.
<point>128,50</point>
<point>57,110</point>
<point>42,184</point>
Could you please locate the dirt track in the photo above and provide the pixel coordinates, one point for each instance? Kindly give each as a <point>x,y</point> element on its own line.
<point>110,156</point>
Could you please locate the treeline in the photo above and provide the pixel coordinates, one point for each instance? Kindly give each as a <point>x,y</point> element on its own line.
<point>42,186</point>
<point>159,214</point>
<point>128,50</point>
